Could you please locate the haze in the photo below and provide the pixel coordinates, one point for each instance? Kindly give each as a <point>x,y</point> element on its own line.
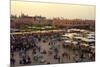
<point>51,10</point>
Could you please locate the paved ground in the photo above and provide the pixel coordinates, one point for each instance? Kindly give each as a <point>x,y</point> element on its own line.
<point>49,58</point>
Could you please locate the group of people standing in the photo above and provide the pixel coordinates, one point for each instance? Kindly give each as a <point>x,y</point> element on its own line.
<point>27,50</point>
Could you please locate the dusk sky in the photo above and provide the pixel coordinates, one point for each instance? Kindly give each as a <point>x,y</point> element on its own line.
<point>51,10</point>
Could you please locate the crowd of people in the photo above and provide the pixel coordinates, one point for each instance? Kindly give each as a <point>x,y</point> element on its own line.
<point>23,43</point>
<point>28,49</point>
